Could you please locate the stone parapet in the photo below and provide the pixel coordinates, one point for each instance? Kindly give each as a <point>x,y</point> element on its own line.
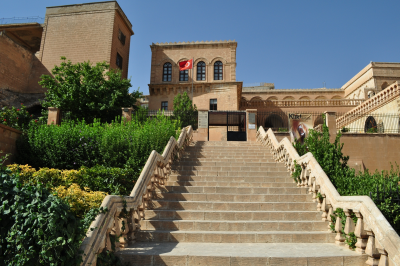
<point>383,242</point>
<point>8,137</point>
<point>125,213</point>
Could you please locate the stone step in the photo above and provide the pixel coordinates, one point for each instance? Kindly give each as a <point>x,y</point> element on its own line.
<point>233,197</point>
<point>232,206</point>
<point>233,215</point>
<point>236,236</point>
<point>230,184</point>
<point>258,226</point>
<point>260,179</point>
<point>217,254</point>
<point>242,159</point>
<point>227,153</point>
<point>227,164</point>
<point>234,190</point>
<point>233,173</point>
<point>229,168</point>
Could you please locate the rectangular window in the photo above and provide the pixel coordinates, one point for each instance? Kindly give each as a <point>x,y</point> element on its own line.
<point>121,37</point>
<point>164,106</point>
<point>119,61</point>
<point>184,75</point>
<point>213,104</point>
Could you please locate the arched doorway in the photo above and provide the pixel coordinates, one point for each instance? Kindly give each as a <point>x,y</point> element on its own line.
<point>370,125</point>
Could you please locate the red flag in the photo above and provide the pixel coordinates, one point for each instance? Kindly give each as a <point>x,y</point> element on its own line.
<point>186,65</point>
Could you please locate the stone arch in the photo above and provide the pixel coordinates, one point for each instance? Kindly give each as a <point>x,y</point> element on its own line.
<point>384,85</point>
<point>256,98</point>
<point>370,124</point>
<point>337,97</point>
<point>165,60</point>
<point>321,98</point>
<point>288,98</point>
<point>201,59</point>
<point>218,59</point>
<point>371,94</point>
<point>275,121</point>
<point>305,98</point>
<point>272,98</point>
<point>318,120</point>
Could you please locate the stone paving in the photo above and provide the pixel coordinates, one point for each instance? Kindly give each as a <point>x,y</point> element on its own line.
<point>230,203</point>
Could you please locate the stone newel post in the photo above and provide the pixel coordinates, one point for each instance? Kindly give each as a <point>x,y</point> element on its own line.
<point>53,117</point>
<point>330,118</point>
<point>251,121</point>
<point>127,113</point>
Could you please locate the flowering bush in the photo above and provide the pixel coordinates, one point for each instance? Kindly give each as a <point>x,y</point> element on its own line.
<point>17,118</point>
<point>115,181</point>
<point>80,200</point>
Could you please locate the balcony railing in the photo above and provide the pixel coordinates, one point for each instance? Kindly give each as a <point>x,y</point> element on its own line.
<point>301,103</point>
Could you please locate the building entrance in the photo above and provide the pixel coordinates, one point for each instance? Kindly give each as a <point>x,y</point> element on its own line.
<point>234,123</point>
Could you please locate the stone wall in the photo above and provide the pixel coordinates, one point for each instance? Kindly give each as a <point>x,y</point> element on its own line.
<point>8,137</point>
<point>18,67</point>
<point>86,32</point>
<point>376,151</point>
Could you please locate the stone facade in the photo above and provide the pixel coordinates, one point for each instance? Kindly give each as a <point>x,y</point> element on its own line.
<point>95,32</point>
<point>227,91</point>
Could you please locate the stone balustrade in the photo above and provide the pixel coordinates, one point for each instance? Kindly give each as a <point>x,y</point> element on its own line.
<point>122,219</point>
<point>385,96</point>
<point>375,236</point>
<point>301,103</point>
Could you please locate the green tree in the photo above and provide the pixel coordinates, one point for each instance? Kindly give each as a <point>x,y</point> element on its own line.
<point>185,111</point>
<point>87,91</point>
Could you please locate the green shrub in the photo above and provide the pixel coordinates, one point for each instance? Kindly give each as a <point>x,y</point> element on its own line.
<point>17,118</point>
<point>75,144</point>
<point>346,181</point>
<point>37,228</point>
<point>185,111</point>
<point>87,91</point>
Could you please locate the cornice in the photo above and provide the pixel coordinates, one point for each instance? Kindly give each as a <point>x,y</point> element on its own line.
<point>197,44</point>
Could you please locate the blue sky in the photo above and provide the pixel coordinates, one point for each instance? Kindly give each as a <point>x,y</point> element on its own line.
<point>294,44</point>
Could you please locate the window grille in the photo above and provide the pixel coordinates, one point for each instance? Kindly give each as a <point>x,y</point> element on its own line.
<point>201,71</point>
<point>184,75</point>
<point>121,37</point>
<point>164,106</point>
<point>167,72</point>
<point>213,104</point>
<point>119,61</point>
<point>218,71</point>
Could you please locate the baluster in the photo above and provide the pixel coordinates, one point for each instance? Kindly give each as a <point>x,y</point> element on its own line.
<point>349,226</point>
<point>121,224</point>
<point>116,230</point>
<point>383,260</point>
<point>319,201</point>
<point>371,251</point>
<point>324,208</point>
<point>329,216</point>
<point>339,239</point>
<point>361,234</point>
<point>315,191</point>
<point>310,184</point>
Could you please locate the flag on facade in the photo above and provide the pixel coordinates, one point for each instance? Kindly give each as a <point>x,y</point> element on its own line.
<point>186,65</point>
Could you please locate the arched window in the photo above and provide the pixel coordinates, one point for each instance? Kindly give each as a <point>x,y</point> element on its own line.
<point>201,70</point>
<point>218,70</point>
<point>370,125</point>
<point>167,72</point>
<point>184,75</point>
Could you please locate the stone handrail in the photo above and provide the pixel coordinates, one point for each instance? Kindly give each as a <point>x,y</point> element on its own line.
<point>375,236</point>
<point>122,219</point>
<point>381,98</point>
<point>298,103</point>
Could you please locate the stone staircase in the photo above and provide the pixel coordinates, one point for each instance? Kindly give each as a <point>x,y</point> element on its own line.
<point>230,203</point>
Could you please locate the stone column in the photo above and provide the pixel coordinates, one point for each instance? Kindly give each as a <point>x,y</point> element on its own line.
<point>330,118</point>
<point>251,124</point>
<point>53,117</point>
<point>127,113</point>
